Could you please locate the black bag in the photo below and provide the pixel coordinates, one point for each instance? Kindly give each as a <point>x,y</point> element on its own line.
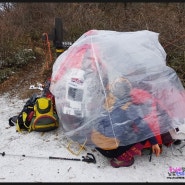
<point>23,119</point>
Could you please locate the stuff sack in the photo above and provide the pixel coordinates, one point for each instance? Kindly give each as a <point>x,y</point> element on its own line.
<point>45,117</point>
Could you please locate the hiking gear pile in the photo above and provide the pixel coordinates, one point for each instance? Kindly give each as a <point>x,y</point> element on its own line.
<point>38,114</point>
<point>87,84</point>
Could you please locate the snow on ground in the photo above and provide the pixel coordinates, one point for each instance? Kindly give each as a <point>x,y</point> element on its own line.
<point>38,146</point>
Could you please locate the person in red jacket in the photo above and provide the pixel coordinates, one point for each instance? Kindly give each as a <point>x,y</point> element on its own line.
<point>124,131</point>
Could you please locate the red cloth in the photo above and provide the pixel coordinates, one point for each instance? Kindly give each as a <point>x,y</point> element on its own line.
<point>140,96</point>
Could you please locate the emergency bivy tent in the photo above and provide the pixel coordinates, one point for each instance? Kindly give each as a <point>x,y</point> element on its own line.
<point>114,88</point>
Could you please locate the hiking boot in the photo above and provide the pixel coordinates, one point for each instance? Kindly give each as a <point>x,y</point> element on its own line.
<point>124,160</point>
<point>117,163</point>
<point>136,149</point>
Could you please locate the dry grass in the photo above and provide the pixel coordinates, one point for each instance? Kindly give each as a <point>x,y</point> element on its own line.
<point>19,83</point>
<point>24,26</point>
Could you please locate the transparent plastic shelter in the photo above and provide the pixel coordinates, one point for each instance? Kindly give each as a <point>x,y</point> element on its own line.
<point>116,86</point>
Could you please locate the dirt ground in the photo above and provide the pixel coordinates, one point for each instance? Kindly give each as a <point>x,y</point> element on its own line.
<point>18,84</point>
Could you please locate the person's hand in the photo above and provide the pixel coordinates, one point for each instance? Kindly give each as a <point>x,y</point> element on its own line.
<point>156,149</point>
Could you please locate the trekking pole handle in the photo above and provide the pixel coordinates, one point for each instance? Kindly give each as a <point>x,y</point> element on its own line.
<point>89,159</point>
<point>3,154</point>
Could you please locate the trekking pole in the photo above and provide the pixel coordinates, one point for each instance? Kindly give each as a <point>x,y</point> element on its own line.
<point>89,158</point>
<point>150,155</point>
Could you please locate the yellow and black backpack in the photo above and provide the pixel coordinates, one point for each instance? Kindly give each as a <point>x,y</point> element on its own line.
<point>38,114</point>
<point>45,117</point>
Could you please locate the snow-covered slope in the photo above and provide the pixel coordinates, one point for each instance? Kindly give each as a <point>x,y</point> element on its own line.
<point>38,146</point>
